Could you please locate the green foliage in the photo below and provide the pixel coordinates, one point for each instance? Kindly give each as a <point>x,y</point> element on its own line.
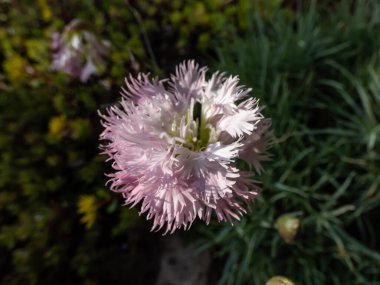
<point>59,224</point>
<point>317,71</point>
<point>318,74</point>
<point>188,27</point>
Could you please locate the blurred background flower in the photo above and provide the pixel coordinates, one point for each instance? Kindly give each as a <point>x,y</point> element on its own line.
<point>78,51</point>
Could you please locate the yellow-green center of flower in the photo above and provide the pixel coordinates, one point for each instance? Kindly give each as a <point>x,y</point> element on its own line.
<point>192,129</point>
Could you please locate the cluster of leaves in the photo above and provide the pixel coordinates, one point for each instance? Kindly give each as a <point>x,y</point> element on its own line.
<point>188,27</point>
<point>319,76</point>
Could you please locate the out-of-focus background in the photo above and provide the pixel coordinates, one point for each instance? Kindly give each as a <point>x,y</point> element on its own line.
<point>314,64</point>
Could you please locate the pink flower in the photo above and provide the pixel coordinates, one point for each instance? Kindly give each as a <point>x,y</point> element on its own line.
<point>78,52</point>
<point>174,144</point>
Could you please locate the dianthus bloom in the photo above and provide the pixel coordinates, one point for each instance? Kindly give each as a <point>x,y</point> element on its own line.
<point>174,144</point>
<point>78,52</point>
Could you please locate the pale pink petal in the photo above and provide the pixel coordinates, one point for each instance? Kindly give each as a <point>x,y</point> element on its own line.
<point>174,150</point>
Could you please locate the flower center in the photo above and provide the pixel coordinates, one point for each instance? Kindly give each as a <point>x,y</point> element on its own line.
<point>192,129</point>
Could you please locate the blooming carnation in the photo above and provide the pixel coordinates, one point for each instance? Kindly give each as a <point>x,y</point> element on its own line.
<point>78,52</point>
<point>175,143</point>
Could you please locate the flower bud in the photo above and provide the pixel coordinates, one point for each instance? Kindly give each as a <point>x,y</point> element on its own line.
<point>279,280</point>
<point>287,226</point>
